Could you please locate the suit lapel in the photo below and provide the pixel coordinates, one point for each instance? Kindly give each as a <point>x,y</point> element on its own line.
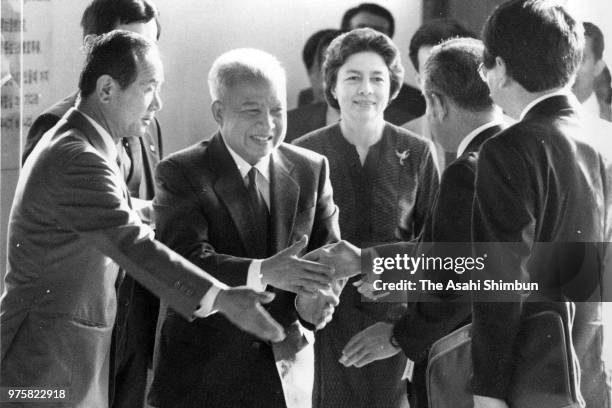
<point>76,120</point>
<point>232,192</point>
<point>284,193</point>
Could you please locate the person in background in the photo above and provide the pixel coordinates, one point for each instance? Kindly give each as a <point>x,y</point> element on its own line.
<point>73,235</point>
<point>424,39</point>
<point>462,116</point>
<point>384,180</point>
<point>603,90</point>
<point>591,68</point>
<point>243,205</point>
<point>313,61</point>
<point>137,313</point>
<point>307,118</point>
<point>409,103</point>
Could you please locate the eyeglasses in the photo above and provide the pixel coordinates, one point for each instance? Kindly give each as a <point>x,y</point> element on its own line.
<point>482,71</point>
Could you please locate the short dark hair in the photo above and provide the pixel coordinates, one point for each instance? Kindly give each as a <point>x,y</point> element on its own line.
<point>309,52</point>
<point>371,8</point>
<point>360,40</point>
<point>539,41</point>
<point>115,54</point>
<point>433,33</point>
<point>102,16</point>
<point>452,70</point>
<point>597,39</point>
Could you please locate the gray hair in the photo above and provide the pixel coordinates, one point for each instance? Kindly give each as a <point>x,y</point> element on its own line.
<point>244,64</point>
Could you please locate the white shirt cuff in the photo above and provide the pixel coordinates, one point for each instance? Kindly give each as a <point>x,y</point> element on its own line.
<point>208,301</point>
<point>254,280</point>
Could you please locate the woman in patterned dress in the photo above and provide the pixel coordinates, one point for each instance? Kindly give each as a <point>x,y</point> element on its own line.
<point>384,179</point>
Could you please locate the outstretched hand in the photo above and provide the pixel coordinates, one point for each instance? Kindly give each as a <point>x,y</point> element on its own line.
<point>287,271</point>
<point>343,256</point>
<point>243,307</point>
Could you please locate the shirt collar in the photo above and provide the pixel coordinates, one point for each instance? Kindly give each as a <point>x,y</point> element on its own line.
<point>562,91</point>
<point>263,165</point>
<point>591,105</point>
<point>107,139</point>
<point>468,139</point>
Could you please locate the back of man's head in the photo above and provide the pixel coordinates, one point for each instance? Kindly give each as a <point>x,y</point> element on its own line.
<point>102,16</point>
<point>370,8</point>
<point>538,40</point>
<point>433,33</point>
<point>115,54</point>
<point>451,71</point>
<point>244,65</point>
<point>597,40</point>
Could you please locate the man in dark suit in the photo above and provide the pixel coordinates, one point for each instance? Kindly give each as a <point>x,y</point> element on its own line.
<point>462,116</point>
<point>541,185</point>
<point>241,205</point>
<point>72,228</point>
<point>137,307</point>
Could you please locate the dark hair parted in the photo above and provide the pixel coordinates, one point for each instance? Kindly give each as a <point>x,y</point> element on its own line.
<point>102,16</point>
<point>539,41</point>
<point>115,54</point>
<point>433,33</point>
<point>452,71</point>
<point>353,42</point>
<point>597,39</point>
<point>371,8</point>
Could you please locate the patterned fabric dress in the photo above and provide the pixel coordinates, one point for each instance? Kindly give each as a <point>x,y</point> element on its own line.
<point>385,200</point>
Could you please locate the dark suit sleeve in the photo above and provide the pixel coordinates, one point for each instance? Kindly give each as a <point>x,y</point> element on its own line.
<point>503,213</point>
<point>91,203</point>
<point>42,123</point>
<point>429,180</point>
<point>449,221</point>
<point>183,224</point>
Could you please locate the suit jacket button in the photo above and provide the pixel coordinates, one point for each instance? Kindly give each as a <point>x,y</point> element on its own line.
<point>178,284</point>
<point>256,345</point>
<point>152,148</point>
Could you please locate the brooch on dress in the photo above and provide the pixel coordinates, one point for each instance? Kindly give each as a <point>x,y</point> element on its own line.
<point>402,156</point>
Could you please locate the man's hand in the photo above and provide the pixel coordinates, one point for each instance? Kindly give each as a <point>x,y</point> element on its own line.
<point>319,309</point>
<point>367,290</point>
<point>242,306</point>
<point>481,401</point>
<point>288,272</point>
<point>343,256</point>
<point>369,345</point>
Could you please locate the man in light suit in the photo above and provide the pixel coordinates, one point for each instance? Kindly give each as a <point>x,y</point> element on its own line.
<point>137,307</point>
<point>241,204</point>
<point>72,227</point>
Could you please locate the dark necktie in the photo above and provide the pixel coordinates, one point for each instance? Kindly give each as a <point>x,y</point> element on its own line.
<point>261,214</point>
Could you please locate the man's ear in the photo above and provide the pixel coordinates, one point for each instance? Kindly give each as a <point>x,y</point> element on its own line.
<point>88,40</point>
<point>503,77</point>
<point>106,88</point>
<point>438,106</point>
<point>217,112</point>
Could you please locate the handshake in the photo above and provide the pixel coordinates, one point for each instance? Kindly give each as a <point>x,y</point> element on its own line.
<point>317,278</point>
